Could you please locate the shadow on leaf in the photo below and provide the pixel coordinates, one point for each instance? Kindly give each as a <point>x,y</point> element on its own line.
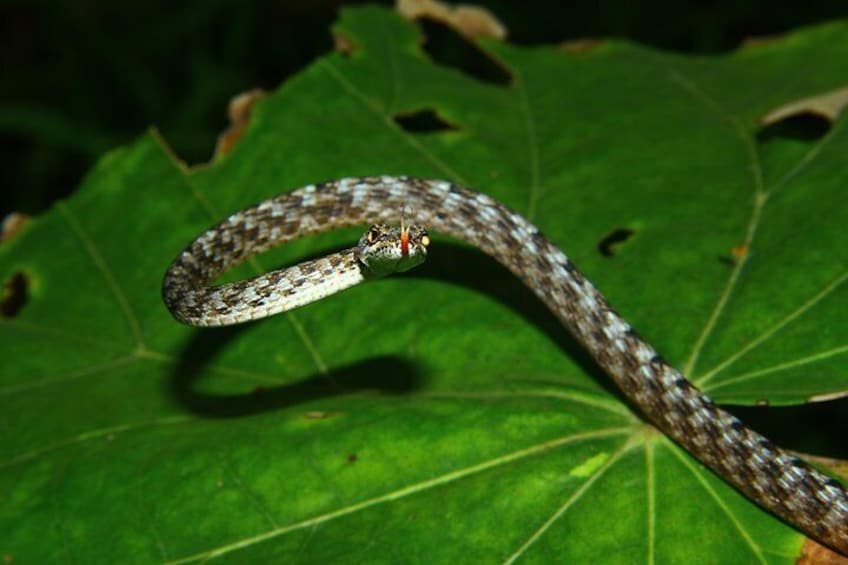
<point>454,264</point>
<point>465,266</point>
<point>384,374</point>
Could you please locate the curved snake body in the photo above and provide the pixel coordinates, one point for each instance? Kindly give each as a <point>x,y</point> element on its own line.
<point>776,480</point>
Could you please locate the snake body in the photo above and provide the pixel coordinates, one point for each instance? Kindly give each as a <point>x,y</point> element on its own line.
<point>776,480</point>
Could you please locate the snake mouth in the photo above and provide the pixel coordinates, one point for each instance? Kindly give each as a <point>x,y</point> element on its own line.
<point>407,262</point>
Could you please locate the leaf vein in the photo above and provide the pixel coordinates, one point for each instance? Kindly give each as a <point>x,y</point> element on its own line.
<point>760,198</point>
<point>650,479</point>
<point>91,435</point>
<point>765,336</point>
<point>387,120</point>
<point>782,366</point>
<point>254,499</point>
<point>568,503</point>
<point>403,492</point>
<point>64,335</point>
<point>72,375</point>
<point>532,143</point>
<point>105,271</point>
<point>755,548</point>
<point>587,399</point>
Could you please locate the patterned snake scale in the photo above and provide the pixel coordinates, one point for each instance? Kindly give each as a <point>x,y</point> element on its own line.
<point>783,484</point>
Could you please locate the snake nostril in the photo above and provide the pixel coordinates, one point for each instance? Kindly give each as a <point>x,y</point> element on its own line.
<point>15,295</point>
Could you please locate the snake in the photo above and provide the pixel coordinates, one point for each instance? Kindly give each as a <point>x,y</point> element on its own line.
<point>778,481</point>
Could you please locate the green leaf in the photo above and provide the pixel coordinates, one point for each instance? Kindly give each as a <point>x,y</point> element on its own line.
<point>442,415</point>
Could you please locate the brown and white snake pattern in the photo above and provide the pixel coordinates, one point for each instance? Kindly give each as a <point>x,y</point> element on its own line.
<point>783,484</point>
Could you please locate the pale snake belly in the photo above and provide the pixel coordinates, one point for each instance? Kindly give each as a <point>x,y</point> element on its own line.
<point>780,482</point>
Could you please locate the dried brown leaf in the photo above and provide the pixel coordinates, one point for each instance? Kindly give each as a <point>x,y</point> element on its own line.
<point>757,41</point>
<point>813,553</point>
<point>470,21</point>
<point>581,45</point>
<point>11,225</point>
<point>828,105</point>
<point>239,113</point>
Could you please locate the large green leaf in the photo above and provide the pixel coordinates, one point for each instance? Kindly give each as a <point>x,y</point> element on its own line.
<point>442,415</point>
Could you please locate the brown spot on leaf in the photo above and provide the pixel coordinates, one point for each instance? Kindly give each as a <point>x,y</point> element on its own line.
<point>343,44</point>
<point>470,21</point>
<point>352,458</point>
<point>15,294</point>
<point>737,254</point>
<point>239,112</point>
<point>740,251</point>
<point>581,45</point>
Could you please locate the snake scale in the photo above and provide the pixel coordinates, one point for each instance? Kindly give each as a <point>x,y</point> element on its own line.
<point>776,480</point>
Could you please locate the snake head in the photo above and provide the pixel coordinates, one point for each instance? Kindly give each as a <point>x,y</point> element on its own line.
<point>385,249</point>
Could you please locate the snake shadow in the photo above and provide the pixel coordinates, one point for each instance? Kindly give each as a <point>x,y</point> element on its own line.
<point>394,375</point>
<point>391,375</point>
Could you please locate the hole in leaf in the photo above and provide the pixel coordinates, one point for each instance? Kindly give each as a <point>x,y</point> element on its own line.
<point>608,246</point>
<point>809,428</point>
<point>15,294</point>
<point>805,126</point>
<point>727,260</point>
<point>423,121</point>
<point>448,48</point>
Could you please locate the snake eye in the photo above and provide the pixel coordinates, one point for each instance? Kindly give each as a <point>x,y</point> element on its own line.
<point>425,240</point>
<point>372,235</point>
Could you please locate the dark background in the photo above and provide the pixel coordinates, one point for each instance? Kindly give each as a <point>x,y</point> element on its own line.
<point>82,76</point>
